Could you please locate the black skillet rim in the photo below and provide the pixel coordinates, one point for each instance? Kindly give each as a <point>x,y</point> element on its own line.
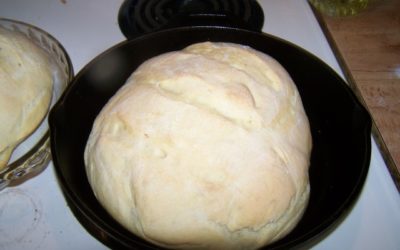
<point>112,238</point>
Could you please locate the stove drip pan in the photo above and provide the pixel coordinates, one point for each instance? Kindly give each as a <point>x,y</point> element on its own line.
<point>138,17</point>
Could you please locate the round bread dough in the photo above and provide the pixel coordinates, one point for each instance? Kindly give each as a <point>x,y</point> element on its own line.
<point>25,90</point>
<point>204,148</point>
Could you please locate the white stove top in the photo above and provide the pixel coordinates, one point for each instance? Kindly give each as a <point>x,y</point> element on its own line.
<point>35,215</point>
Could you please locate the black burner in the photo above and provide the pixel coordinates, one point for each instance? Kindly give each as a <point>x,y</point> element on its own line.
<point>138,17</point>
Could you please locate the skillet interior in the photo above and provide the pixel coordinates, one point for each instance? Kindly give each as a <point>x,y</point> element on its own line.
<point>340,129</point>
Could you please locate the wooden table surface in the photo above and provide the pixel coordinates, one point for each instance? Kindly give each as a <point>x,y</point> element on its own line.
<point>367,47</point>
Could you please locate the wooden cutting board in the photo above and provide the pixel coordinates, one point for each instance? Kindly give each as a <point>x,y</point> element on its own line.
<point>367,47</point>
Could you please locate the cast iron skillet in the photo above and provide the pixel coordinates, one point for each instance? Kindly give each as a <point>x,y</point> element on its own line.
<point>340,129</point>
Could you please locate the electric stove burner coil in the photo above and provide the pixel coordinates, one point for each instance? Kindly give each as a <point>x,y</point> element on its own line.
<point>138,17</point>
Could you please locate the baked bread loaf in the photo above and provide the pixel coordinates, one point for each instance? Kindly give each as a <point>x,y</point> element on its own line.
<point>25,90</point>
<point>204,148</point>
